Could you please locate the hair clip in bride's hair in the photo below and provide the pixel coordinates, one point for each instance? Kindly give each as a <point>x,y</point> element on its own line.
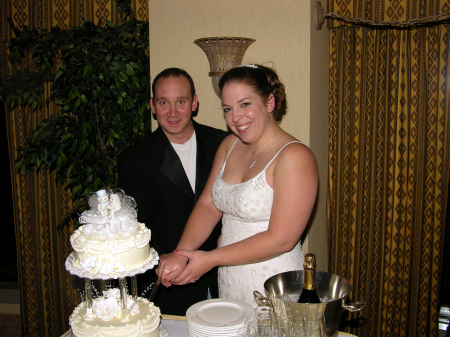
<point>248,66</point>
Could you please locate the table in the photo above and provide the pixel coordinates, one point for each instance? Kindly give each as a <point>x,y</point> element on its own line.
<point>176,326</point>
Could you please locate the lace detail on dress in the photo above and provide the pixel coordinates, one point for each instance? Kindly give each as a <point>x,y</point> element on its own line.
<point>246,211</point>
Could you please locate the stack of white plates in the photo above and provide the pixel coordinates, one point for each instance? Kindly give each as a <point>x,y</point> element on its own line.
<point>217,317</point>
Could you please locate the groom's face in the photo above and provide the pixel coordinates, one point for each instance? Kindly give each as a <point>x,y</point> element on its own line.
<point>173,105</point>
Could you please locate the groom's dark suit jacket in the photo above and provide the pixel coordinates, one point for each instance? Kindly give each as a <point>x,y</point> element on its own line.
<point>151,172</point>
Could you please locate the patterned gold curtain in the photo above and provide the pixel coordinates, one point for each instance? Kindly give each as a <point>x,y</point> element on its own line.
<point>388,163</point>
<point>47,292</point>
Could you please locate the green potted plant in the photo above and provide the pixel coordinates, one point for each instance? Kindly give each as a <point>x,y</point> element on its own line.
<point>99,80</point>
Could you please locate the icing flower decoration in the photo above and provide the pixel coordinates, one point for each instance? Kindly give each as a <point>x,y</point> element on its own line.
<point>105,269</point>
<point>118,267</point>
<point>132,306</point>
<point>112,293</point>
<point>106,309</point>
<point>89,263</point>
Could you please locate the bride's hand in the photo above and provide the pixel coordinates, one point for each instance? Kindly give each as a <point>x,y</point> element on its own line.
<point>199,264</point>
<point>170,266</point>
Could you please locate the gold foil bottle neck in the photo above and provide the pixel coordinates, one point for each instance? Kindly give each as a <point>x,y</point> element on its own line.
<point>310,261</point>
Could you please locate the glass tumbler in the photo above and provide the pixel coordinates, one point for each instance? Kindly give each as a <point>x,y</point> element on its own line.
<point>248,330</point>
<point>313,325</point>
<point>264,321</point>
<point>287,323</point>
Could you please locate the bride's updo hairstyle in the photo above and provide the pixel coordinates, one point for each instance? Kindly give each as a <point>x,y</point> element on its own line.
<point>264,82</point>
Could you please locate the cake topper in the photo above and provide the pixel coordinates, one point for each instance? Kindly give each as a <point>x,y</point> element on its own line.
<point>108,203</point>
<point>102,198</point>
<point>113,205</point>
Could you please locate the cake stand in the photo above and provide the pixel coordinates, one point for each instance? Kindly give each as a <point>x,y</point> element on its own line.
<point>105,279</point>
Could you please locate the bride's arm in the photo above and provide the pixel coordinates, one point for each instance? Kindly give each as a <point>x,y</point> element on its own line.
<point>294,179</point>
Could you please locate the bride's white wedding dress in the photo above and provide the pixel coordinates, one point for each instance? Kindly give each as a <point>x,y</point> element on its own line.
<point>246,211</point>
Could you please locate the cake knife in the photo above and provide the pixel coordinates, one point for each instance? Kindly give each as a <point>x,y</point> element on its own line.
<point>155,290</point>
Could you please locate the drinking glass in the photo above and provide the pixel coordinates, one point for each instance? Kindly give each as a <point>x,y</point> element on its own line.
<point>248,330</point>
<point>313,325</point>
<point>286,323</point>
<point>264,321</point>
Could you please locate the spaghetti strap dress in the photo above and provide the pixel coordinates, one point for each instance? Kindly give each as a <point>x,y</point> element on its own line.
<point>246,211</point>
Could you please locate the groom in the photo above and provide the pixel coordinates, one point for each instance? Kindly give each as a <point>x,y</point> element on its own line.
<point>165,173</point>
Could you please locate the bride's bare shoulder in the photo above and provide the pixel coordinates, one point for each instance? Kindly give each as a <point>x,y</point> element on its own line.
<point>226,145</point>
<point>297,155</point>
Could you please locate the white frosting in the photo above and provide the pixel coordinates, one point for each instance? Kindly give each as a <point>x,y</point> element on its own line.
<point>144,323</point>
<point>111,243</point>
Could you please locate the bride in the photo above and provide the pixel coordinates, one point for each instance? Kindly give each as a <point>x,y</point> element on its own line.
<point>263,185</point>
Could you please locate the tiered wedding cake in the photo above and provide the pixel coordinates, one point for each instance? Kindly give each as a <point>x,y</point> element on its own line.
<point>112,244</point>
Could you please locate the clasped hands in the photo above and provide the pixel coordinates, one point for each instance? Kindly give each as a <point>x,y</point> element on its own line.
<point>182,267</point>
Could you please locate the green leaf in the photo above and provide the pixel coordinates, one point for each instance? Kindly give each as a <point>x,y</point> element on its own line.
<point>109,23</point>
<point>59,73</point>
<point>77,104</point>
<point>76,192</point>
<point>130,70</point>
<point>87,69</point>
<point>98,184</point>
<point>123,77</point>
<point>134,65</point>
<point>111,140</point>
<point>115,134</point>
<point>111,169</point>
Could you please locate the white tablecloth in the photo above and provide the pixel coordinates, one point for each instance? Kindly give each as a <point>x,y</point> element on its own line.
<point>178,328</point>
<point>175,328</point>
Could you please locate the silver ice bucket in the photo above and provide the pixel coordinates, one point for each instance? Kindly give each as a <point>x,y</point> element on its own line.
<point>284,290</point>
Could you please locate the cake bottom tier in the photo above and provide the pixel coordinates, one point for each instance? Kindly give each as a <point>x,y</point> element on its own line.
<point>145,323</point>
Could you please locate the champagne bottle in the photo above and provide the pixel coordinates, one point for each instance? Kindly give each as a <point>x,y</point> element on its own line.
<point>309,292</point>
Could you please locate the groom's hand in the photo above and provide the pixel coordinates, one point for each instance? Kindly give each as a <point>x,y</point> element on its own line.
<point>170,266</point>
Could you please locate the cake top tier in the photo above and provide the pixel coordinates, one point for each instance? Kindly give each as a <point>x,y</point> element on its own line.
<point>111,243</point>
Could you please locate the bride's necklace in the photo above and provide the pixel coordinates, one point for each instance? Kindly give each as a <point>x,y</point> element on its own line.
<point>258,155</point>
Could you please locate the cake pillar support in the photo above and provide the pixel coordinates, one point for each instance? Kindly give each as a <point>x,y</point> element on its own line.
<point>134,289</point>
<point>104,285</point>
<point>88,300</point>
<point>123,298</point>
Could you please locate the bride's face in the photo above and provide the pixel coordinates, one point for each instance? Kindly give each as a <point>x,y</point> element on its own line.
<point>246,114</point>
